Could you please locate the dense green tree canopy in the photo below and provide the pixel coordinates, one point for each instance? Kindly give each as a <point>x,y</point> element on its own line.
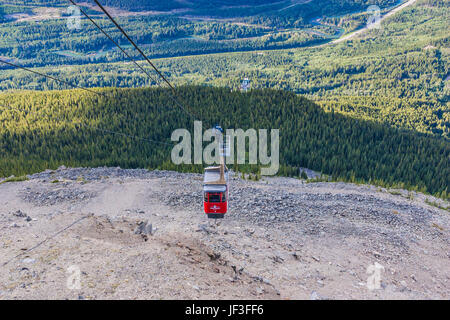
<point>73,128</point>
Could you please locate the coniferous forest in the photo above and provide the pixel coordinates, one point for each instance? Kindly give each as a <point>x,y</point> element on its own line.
<point>41,130</point>
<point>397,75</point>
<point>382,113</point>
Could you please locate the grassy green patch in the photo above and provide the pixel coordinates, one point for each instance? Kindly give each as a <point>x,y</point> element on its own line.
<point>15,179</point>
<point>436,204</point>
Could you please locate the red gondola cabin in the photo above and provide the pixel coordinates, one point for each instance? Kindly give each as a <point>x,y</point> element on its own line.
<point>215,192</point>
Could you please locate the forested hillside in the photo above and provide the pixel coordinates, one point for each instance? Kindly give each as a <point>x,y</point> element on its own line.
<point>397,75</point>
<point>48,41</point>
<point>40,130</point>
<point>292,9</point>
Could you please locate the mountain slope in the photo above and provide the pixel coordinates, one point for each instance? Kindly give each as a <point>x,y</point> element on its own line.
<point>281,239</point>
<point>396,75</point>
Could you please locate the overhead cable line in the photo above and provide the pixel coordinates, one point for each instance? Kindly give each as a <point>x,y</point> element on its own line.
<point>133,60</point>
<point>82,88</point>
<point>147,59</point>
<point>47,239</point>
<point>51,77</point>
<point>134,44</point>
<point>112,40</point>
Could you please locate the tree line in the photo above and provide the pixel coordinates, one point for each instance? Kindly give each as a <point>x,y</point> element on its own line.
<point>74,128</point>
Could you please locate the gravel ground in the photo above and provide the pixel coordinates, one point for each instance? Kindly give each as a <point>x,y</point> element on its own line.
<point>141,234</point>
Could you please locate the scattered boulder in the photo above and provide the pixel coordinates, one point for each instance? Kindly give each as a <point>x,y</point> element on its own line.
<point>315,296</point>
<point>20,214</point>
<point>29,260</point>
<point>144,228</point>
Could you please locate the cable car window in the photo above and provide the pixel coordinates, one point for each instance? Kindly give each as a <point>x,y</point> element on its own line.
<point>214,197</point>
<point>224,197</point>
<point>206,197</point>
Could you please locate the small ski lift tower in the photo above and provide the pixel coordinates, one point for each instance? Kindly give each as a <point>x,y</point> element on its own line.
<point>245,85</point>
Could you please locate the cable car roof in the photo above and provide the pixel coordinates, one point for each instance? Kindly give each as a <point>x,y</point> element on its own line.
<point>214,188</point>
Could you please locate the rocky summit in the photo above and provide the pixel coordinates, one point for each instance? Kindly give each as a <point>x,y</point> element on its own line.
<point>143,234</point>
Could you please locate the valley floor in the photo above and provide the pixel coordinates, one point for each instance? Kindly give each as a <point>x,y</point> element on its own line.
<point>282,239</point>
